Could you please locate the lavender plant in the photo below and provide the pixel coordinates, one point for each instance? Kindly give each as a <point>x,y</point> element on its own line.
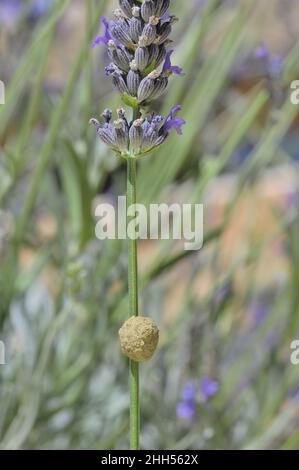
<point>137,41</point>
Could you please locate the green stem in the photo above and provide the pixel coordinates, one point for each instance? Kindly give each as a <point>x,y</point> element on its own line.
<point>133,304</point>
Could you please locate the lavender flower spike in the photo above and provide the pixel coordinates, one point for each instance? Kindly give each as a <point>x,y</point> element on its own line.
<point>137,40</point>
<point>140,66</point>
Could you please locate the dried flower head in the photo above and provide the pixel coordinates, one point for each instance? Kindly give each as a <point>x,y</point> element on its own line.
<point>139,338</point>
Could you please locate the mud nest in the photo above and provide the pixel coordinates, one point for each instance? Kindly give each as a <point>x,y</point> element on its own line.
<point>139,338</point>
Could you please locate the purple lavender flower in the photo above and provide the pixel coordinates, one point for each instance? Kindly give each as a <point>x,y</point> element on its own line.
<point>174,122</point>
<point>209,388</point>
<point>104,38</point>
<point>168,68</point>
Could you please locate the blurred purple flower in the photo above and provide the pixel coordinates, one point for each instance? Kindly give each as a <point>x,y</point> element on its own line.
<point>208,388</point>
<point>294,393</point>
<point>274,64</point>
<point>262,52</point>
<point>189,391</point>
<point>39,8</point>
<point>10,11</point>
<point>290,200</point>
<point>186,410</point>
<point>258,311</point>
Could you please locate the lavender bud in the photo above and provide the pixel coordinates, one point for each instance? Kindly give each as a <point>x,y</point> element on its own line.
<point>142,56</point>
<point>122,115</point>
<point>107,115</point>
<point>153,53</point>
<point>122,34</point>
<point>106,135</point>
<point>147,86</point>
<point>148,35</point>
<point>149,141</point>
<point>120,83</point>
<point>148,9</point>
<point>126,6</point>
<point>161,55</point>
<point>136,136</point>
<point>163,33</point>
<point>150,137</point>
<point>160,140</point>
<point>118,56</point>
<point>136,28</point>
<point>145,89</point>
<point>110,69</point>
<point>121,135</point>
<point>160,86</point>
<point>133,82</point>
<point>162,7</point>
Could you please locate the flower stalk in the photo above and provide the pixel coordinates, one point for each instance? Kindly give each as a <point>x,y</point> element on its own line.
<point>133,302</point>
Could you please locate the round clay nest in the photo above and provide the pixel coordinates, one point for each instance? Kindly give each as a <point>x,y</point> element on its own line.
<point>139,338</point>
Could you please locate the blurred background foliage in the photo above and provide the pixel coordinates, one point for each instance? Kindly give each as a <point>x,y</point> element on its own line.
<point>222,378</point>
